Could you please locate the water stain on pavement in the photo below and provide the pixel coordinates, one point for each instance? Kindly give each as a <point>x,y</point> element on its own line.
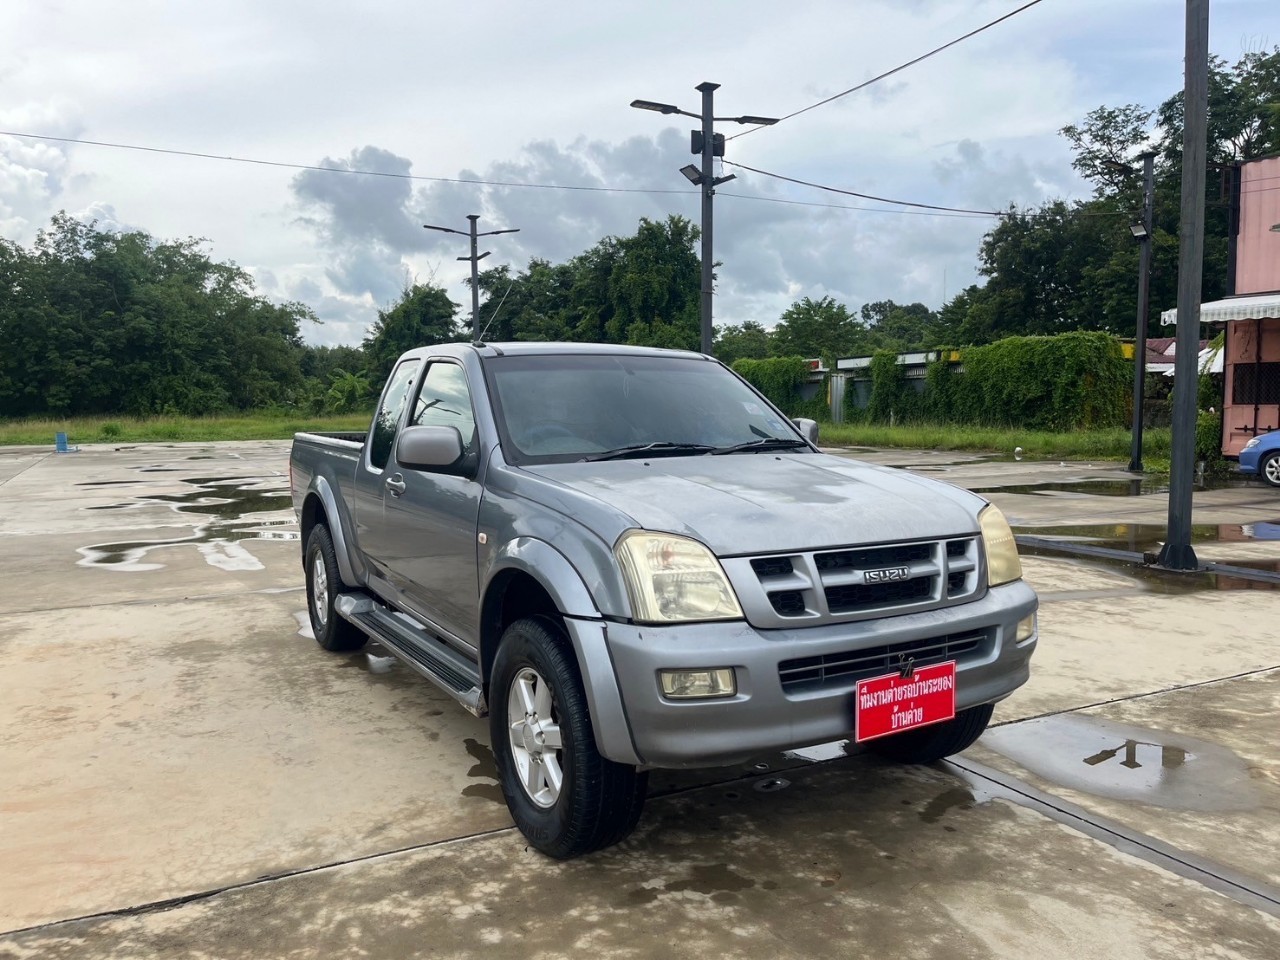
<point>225,511</point>
<point>483,768</point>
<point>715,880</point>
<point>953,798</point>
<point>1124,762</point>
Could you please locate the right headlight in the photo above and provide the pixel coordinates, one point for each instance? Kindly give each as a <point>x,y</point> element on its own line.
<point>673,579</point>
<point>1253,443</point>
<point>1003,564</point>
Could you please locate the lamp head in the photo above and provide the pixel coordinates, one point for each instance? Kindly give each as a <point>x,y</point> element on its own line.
<point>691,172</point>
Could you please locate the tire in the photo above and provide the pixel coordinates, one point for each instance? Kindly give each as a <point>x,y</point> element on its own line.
<point>324,582</point>
<point>1269,469</point>
<point>936,741</point>
<point>536,697</point>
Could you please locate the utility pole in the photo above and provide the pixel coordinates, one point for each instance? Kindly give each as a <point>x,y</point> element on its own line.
<point>475,259</point>
<point>1177,553</point>
<point>1144,307</point>
<point>706,142</point>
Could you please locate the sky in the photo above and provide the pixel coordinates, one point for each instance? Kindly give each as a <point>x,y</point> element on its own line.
<point>538,93</point>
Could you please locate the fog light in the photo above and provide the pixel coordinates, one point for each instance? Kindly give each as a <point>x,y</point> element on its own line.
<point>1026,629</point>
<point>696,684</point>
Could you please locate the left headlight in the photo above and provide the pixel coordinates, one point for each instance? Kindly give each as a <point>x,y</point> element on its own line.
<point>1003,564</point>
<point>1253,443</point>
<point>674,579</point>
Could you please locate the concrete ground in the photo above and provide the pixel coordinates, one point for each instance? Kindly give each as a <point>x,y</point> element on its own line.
<point>184,773</point>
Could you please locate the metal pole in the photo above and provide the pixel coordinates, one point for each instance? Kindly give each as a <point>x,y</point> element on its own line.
<point>1177,553</point>
<point>708,191</point>
<point>1144,306</point>
<point>475,280</point>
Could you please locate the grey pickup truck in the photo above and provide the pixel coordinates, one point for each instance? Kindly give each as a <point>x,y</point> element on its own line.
<point>628,558</point>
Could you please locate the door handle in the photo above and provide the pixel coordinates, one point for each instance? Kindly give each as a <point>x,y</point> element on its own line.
<point>396,485</point>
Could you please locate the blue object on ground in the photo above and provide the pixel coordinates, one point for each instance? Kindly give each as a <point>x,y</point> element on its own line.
<point>60,444</point>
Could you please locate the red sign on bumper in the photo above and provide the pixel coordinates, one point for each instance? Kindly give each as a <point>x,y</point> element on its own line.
<point>891,704</point>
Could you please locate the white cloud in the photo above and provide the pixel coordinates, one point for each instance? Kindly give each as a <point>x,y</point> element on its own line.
<point>525,92</point>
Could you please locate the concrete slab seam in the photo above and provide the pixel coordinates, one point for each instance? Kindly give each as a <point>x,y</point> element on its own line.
<point>172,903</point>
<point>26,468</point>
<point>1207,873</point>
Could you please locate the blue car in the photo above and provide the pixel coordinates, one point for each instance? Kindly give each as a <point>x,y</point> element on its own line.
<point>1261,456</point>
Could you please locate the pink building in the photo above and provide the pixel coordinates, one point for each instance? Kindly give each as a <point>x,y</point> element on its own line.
<point>1252,314</point>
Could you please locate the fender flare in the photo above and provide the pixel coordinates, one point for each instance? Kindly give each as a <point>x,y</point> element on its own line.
<point>321,489</point>
<point>587,632</point>
<point>551,569</point>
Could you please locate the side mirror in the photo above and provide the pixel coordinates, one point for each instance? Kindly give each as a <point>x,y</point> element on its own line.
<point>428,448</point>
<point>808,429</point>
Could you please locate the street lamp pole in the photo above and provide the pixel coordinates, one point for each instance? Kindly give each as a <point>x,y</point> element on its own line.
<point>1144,306</point>
<point>475,259</point>
<point>708,192</point>
<point>706,143</point>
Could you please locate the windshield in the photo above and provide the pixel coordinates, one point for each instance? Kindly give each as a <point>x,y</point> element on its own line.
<point>557,408</point>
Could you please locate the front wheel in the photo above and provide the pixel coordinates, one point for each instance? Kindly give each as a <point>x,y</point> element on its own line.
<point>936,741</point>
<point>563,795</point>
<point>1269,469</point>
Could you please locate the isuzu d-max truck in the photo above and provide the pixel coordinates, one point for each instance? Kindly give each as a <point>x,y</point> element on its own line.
<point>628,558</point>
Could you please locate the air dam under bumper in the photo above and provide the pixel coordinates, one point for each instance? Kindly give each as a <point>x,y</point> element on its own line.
<point>762,717</point>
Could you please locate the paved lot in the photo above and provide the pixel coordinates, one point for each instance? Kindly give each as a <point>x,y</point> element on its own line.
<point>183,773</point>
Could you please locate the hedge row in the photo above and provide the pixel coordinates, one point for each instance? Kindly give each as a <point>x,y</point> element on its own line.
<point>780,379</point>
<point>1068,382</point>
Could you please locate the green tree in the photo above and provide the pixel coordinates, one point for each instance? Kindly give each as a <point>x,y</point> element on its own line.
<point>749,341</point>
<point>819,328</point>
<point>423,315</point>
<point>95,321</point>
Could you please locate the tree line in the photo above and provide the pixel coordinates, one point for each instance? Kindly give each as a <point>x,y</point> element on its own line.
<point>101,322</point>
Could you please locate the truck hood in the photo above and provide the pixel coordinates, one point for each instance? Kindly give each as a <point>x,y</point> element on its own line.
<point>770,503</point>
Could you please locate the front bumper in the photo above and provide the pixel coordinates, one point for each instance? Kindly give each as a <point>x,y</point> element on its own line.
<point>762,716</point>
<point>1249,460</point>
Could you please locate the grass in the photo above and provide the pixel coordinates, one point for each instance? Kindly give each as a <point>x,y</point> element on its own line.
<point>246,426</point>
<point>1083,444</point>
<point>1111,444</point>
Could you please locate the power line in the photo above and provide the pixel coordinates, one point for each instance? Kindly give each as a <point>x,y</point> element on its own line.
<point>897,69</point>
<point>850,206</point>
<point>347,170</point>
<point>868,196</point>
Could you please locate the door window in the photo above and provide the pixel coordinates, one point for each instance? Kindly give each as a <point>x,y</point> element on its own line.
<point>387,420</point>
<point>445,401</point>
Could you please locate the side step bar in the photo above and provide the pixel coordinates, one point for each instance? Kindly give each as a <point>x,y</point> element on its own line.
<point>449,670</point>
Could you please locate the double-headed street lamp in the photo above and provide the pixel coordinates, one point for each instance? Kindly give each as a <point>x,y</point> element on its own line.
<point>475,259</point>
<point>710,144</point>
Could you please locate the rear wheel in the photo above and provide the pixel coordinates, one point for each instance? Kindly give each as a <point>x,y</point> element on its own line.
<point>1269,469</point>
<point>324,583</point>
<point>563,795</point>
<point>936,741</point>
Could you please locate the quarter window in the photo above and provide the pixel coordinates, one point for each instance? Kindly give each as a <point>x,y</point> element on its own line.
<point>387,421</point>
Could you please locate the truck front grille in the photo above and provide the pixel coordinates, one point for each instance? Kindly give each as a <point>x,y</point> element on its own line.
<point>855,583</point>
<point>847,668</point>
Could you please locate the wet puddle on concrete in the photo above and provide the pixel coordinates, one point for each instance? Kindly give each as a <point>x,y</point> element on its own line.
<point>1069,489</point>
<point>225,511</point>
<point>1124,762</point>
<point>482,769</point>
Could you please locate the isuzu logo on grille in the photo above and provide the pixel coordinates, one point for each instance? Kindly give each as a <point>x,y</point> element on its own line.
<point>887,575</point>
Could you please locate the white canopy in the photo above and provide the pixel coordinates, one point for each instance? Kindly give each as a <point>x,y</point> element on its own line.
<point>1209,361</point>
<point>1254,307</point>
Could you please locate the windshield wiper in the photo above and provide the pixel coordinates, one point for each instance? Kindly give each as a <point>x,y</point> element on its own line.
<point>660,448</point>
<point>764,443</point>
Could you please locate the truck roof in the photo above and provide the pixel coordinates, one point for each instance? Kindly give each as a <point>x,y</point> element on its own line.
<point>533,348</point>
